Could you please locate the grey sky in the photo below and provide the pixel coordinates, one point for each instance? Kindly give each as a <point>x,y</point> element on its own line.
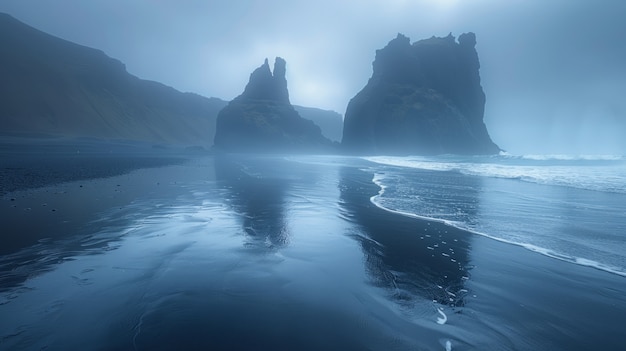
<point>553,71</point>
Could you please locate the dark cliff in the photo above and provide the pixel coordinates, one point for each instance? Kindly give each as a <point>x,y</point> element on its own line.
<point>262,119</point>
<point>54,87</point>
<point>423,98</point>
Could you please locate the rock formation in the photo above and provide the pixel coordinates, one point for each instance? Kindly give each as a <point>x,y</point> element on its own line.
<point>423,98</point>
<point>262,119</point>
<point>52,87</point>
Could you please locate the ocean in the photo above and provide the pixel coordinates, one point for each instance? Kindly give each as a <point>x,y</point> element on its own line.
<point>571,208</point>
<point>321,253</point>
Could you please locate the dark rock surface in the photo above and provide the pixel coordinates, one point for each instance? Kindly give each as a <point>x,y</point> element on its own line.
<point>423,98</point>
<point>262,119</point>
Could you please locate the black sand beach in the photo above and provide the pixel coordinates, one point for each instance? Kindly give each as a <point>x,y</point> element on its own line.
<point>48,189</point>
<point>32,163</point>
<point>277,253</point>
<point>501,296</point>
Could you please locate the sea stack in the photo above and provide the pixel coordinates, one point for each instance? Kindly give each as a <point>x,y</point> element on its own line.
<point>263,120</point>
<point>423,98</point>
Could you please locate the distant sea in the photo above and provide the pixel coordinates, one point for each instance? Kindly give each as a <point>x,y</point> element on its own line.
<point>299,252</point>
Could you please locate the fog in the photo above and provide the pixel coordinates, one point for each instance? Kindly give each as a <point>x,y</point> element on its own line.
<point>553,72</point>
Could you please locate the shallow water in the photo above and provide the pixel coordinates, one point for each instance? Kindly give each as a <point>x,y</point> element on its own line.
<point>568,208</point>
<point>289,253</point>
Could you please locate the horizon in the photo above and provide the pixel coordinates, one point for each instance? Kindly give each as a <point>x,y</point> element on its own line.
<point>552,87</point>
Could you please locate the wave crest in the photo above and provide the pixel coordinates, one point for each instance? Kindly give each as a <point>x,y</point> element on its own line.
<point>582,172</point>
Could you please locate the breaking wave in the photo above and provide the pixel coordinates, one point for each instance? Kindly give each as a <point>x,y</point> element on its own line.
<point>605,173</point>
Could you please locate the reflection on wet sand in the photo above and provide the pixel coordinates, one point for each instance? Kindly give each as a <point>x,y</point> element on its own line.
<point>77,239</point>
<point>259,200</point>
<point>47,226</point>
<point>409,256</point>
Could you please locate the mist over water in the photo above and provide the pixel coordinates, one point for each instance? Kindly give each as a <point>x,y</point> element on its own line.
<point>595,130</point>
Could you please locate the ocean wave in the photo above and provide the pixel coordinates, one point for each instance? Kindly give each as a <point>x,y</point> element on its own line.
<point>565,157</point>
<point>582,175</point>
<point>376,200</point>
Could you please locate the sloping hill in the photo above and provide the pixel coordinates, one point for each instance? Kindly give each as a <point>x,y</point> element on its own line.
<point>52,86</point>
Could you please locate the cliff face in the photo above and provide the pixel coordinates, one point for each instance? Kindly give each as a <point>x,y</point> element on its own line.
<point>262,119</point>
<point>423,98</point>
<point>55,87</point>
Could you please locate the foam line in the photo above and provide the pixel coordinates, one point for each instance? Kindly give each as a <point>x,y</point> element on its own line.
<point>581,175</point>
<point>443,319</point>
<point>544,251</point>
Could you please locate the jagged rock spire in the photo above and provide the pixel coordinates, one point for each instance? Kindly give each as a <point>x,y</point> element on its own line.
<point>262,120</point>
<point>263,85</point>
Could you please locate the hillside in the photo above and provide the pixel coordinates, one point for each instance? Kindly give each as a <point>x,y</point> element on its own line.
<point>54,87</point>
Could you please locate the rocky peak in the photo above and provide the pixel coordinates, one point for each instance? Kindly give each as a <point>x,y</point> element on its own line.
<point>265,85</point>
<point>467,40</point>
<point>391,61</point>
<point>262,120</point>
<point>422,98</point>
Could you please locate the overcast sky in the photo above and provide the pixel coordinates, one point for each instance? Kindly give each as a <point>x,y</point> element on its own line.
<point>554,71</point>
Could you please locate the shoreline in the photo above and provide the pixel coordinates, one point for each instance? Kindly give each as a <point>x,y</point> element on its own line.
<point>38,208</point>
<point>45,162</point>
<point>507,286</point>
<point>248,232</point>
<point>533,248</point>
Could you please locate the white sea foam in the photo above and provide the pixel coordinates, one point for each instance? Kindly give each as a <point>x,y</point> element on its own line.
<point>572,157</point>
<point>375,200</point>
<point>584,174</point>
<point>443,318</point>
<point>379,178</point>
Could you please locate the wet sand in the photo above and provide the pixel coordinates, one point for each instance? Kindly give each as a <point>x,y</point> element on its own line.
<point>502,296</point>
<point>263,253</point>
<point>49,187</point>
<point>35,163</point>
